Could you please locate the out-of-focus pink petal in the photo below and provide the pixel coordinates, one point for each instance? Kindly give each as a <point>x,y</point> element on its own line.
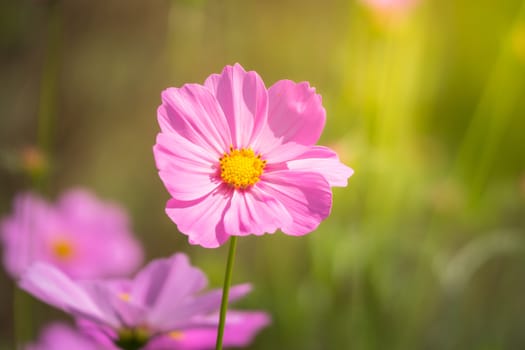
<point>53,287</point>
<point>127,311</point>
<point>325,162</point>
<point>21,233</point>
<point>201,219</point>
<point>253,212</point>
<point>185,169</point>
<point>295,114</point>
<point>244,100</point>
<point>165,284</point>
<point>85,220</point>
<point>187,313</point>
<point>239,331</point>
<point>79,205</point>
<point>306,196</point>
<point>59,336</point>
<point>122,254</point>
<point>193,112</point>
<point>101,334</point>
<point>391,5</point>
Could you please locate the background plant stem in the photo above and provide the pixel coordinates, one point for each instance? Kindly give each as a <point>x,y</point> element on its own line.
<point>23,308</point>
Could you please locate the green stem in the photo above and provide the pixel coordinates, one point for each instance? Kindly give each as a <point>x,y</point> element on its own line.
<point>49,83</point>
<point>22,316</point>
<point>23,305</point>
<point>47,109</point>
<point>226,291</point>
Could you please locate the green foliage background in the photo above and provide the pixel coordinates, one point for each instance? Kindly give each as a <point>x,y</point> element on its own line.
<point>425,249</point>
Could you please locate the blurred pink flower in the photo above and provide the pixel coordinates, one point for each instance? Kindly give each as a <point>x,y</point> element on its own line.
<point>81,235</point>
<point>241,328</point>
<point>390,5</point>
<point>241,159</point>
<point>163,302</point>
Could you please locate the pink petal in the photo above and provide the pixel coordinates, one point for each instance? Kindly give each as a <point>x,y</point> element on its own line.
<point>82,206</point>
<point>295,114</point>
<point>242,327</point>
<point>86,220</point>
<point>201,219</point>
<point>239,331</point>
<point>121,255</point>
<point>325,162</point>
<point>59,336</point>
<point>100,334</point>
<point>190,312</point>
<point>253,212</point>
<point>53,287</point>
<point>244,100</point>
<point>305,195</point>
<point>20,232</point>
<point>193,112</point>
<point>187,171</point>
<point>165,284</point>
<point>167,281</point>
<point>281,152</point>
<point>109,299</point>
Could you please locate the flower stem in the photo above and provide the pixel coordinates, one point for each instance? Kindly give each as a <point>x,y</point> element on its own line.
<point>226,291</point>
<point>23,305</point>
<point>47,109</point>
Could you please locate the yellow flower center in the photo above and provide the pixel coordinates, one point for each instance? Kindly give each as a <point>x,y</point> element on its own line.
<point>176,335</point>
<point>62,249</point>
<point>241,168</point>
<point>124,296</point>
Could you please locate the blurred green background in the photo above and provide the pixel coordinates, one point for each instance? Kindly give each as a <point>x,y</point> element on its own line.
<point>425,249</point>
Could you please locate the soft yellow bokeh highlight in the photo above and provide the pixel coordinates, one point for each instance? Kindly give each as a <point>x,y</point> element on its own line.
<point>125,297</point>
<point>176,335</point>
<point>63,249</point>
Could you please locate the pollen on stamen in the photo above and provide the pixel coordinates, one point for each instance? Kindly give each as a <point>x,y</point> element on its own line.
<point>241,168</point>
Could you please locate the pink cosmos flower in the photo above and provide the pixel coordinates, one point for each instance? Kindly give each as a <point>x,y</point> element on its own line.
<point>163,304</point>
<point>240,159</point>
<point>81,235</point>
<point>240,330</point>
